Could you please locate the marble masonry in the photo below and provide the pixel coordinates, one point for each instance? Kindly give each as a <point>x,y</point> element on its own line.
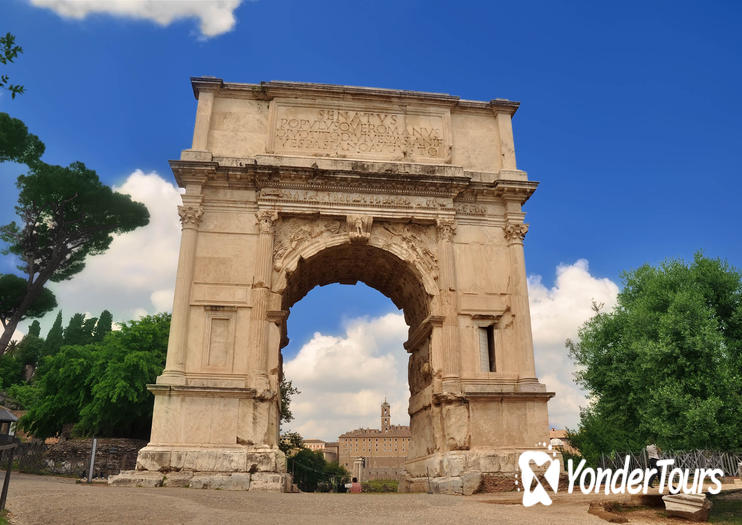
<point>292,185</point>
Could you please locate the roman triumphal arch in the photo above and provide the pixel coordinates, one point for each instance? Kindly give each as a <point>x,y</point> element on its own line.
<point>291,185</point>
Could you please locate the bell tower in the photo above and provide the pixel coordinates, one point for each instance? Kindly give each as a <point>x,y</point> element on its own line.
<point>386,420</point>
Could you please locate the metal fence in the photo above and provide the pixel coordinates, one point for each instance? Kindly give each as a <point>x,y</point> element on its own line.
<point>690,459</point>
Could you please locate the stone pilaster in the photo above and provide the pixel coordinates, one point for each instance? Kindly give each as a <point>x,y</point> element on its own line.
<point>261,296</point>
<point>447,283</point>
<point>203,121</point>
<point>507,145</point>
<point>174,373</point>
<point>514,235</point>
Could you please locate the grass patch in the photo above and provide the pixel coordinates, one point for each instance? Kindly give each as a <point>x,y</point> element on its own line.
<point>727,510</point>
<point>380,485</point>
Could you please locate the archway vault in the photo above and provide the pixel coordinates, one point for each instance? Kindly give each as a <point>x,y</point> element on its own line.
<point>395,258</point>
<point>289,186</point>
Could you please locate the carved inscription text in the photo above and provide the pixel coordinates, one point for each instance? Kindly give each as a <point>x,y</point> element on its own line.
<point>356,133</point>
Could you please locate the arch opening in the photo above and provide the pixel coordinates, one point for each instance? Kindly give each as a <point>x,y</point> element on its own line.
<point>350,263</point>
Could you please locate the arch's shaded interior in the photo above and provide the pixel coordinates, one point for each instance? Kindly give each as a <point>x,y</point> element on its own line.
<point>350,263</point>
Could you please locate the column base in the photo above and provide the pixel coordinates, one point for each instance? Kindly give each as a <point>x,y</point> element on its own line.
<point>171,377</point>
<point>222,467</point>
<point>465,472</point>
<point>252,481</point>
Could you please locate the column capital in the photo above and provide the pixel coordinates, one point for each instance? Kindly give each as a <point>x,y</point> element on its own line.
<point>267,220</point>
<point>446,229</point>
<point>190,216</point>
<point>515,232</point>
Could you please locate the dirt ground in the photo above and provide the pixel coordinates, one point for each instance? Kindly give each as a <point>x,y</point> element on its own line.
<point>45,499</point>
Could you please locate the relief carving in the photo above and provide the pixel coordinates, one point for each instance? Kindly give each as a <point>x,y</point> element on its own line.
<point>359,227</point>
<point>419,241</point>
<point>292,234</point>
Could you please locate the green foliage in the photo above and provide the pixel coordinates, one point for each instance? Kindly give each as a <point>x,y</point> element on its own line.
<point>290,442</point>
<point>67,214</point>
<point>12,292</point>
<point>16,143</point>
<point>9,50</point>
<point>309,469</point>
<point>101,386</point>
<point>380,485</point>
<point>25,394</point>
<point>79,330</point>
<point>104,326</point>
<point>287,391</point>
<point>34,329</point>
<point>55,337</point>
<point>13,363</point>
<point>665,365</point>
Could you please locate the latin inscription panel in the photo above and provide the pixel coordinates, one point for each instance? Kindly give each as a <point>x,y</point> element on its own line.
<point>363,132</point>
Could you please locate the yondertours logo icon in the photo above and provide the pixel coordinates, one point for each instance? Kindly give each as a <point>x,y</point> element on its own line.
<point>545,463</point>
<point>537,494</point>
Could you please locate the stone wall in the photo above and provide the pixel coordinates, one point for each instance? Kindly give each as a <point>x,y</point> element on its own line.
<point>72,457</point>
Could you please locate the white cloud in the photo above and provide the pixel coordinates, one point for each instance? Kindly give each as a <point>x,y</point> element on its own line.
<point>343,380</point>
<point>215,16</point>
<point>556,314</point>
<point>136,275</point>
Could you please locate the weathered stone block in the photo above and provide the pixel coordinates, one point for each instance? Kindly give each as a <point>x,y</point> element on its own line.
<point>272,482</point>
<point>448,485</point>
<point>209,460</point>
<point>177,479</point>
<point>454,464</point>
<point>414,485</point>
<point>261,461</point>
<point>694,507</point>
<point>153,460</point>
<point>136,478</point>
<point>210,480</point>
<point>471,482</point>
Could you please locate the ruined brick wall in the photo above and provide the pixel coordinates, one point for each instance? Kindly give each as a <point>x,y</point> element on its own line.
<point>72,457</point>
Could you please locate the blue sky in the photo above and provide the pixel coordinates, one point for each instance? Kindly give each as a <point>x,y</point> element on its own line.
<point>631,114</point>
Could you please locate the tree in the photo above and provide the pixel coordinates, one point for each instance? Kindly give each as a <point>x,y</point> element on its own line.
<point>101,387</point>
<point>12,293</point>
<point>55,337</point>
<point>307,468</point>
<point>310,470</point>
<point>67,214</point>
<point>75,333</point>
<point>666,364</point>
<point>103,326</point>
<point>287,391</point>
<point>290,442</point>
<point>16,143</point>
<point>34,329</point>
<point>8,52</point>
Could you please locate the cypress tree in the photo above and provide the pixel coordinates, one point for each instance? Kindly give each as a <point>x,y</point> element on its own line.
<point>34,329</point>
<point>104,326</point>
<point>55,337</point>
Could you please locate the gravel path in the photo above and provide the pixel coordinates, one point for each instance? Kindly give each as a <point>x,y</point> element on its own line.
<point>45,500</point>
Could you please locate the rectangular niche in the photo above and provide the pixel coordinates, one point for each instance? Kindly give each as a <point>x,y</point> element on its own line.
<point>218,353</point>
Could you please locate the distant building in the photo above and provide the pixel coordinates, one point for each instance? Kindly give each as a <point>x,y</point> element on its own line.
<point>558,439</point>
<point>370,453</point>
<point>314,444</point>
<point>332,451</point>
